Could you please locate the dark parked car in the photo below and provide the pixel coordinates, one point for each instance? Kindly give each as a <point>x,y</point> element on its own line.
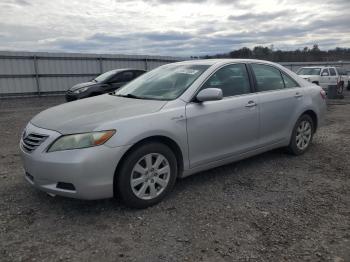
<point>104,83</point>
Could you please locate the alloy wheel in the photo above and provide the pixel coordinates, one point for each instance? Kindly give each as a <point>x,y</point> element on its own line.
<point>150,176</point>
<point>303,135</point>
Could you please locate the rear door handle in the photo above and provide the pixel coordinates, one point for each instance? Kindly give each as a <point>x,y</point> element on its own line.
<point>250,104</point>
<point>297,95</point>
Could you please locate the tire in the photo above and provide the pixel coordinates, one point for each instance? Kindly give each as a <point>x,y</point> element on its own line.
<point>152,168</point>
<point>302,135</point>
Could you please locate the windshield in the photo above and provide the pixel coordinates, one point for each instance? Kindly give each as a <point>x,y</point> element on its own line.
<point>309,71</point>
<point>164,83</point>
<point>105,76</point>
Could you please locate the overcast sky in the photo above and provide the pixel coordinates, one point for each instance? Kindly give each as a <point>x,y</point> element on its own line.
<point>171,27</point>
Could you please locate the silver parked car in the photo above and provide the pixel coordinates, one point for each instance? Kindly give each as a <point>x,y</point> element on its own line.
<point>172,122</point>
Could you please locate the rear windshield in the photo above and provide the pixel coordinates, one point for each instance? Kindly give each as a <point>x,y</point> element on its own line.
<point>309,71</point>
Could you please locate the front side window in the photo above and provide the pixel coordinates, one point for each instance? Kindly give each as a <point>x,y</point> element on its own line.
<point>126,76</point>
<point>138,73</point>
<point>232,80</point>
<point>289,82</point>
<point>332,72</point>
<point>167,82</point>
<point>325,72</point>
<point>105,76</point>
<point>267,77</point>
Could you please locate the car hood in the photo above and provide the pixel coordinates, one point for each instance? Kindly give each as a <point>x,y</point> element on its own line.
<point>308,76</point>
<point>87,114</point>
<point>86,84</point>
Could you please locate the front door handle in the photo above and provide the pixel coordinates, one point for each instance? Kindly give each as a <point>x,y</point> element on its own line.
<point>250,104</point>
<point>297,95</point>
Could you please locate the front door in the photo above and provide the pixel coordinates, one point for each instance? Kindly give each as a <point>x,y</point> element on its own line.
<point>220,129</point>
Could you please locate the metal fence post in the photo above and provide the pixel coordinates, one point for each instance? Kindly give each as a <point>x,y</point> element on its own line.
<point>146,64</point>
<point>36,74</point>
<point>101,66</point>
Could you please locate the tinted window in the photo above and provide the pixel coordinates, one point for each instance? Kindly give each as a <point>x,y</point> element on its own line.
<point>126,76</point>
<point>289,82</point>
<point>122,77</point>
<point>232,80</point>
<point>325,71</point>
<point>267,77</point>
<point>138,73</point>
<point>332,72</point>
<point>105,76</point>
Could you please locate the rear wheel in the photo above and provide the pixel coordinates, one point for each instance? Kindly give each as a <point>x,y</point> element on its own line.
<point>147,175</point>
<point>302,135</point>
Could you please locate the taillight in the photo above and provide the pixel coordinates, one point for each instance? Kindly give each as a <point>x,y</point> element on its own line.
<point>323,94</point>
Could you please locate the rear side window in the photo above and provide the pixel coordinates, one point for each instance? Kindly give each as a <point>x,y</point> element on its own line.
<point>232,80</point>
<point>332,72</point>
<point>289,82</point>
<point>267,77</point>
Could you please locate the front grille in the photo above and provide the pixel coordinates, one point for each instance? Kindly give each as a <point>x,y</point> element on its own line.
<point>31,141</point>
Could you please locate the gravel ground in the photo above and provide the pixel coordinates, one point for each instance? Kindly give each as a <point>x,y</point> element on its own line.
<point>272,207</point>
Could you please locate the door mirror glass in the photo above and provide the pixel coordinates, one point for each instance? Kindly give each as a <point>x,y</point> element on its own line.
<point>324,74</point>
<point>209,94</point>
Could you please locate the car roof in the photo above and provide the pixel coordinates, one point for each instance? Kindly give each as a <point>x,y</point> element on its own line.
<point>222,61</point>
<point>316,66</point>
<point>125,69</point>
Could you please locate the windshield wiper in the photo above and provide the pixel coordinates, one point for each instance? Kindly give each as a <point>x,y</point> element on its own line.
<point>130,96</point>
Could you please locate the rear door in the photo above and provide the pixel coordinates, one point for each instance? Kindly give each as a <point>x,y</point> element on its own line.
<point>220,129</point>
<point>280,98</point>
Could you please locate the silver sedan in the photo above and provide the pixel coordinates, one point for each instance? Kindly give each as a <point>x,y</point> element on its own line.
<point>172,122</point>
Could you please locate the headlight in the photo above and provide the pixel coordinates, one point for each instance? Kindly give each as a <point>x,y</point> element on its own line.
<point>81,90</point>
<point>84,140</point>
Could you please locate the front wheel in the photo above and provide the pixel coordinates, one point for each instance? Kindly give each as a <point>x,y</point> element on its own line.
<point>147,175</point>
<point>302,135</point>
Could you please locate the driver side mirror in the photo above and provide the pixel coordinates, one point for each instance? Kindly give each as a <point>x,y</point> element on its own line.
<point>209,94</point>
<point>324,74</point>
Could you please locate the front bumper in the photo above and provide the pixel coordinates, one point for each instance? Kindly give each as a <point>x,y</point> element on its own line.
<point>90,170</point>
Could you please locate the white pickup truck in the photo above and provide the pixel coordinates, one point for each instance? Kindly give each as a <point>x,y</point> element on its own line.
<point>325,76</point>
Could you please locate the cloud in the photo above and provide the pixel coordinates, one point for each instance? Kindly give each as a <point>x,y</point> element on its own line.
<point>260,16</point>
<point>172,27</point>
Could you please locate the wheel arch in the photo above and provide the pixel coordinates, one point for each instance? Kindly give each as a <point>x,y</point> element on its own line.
<point>313,116</point>
<point>156,138</point>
